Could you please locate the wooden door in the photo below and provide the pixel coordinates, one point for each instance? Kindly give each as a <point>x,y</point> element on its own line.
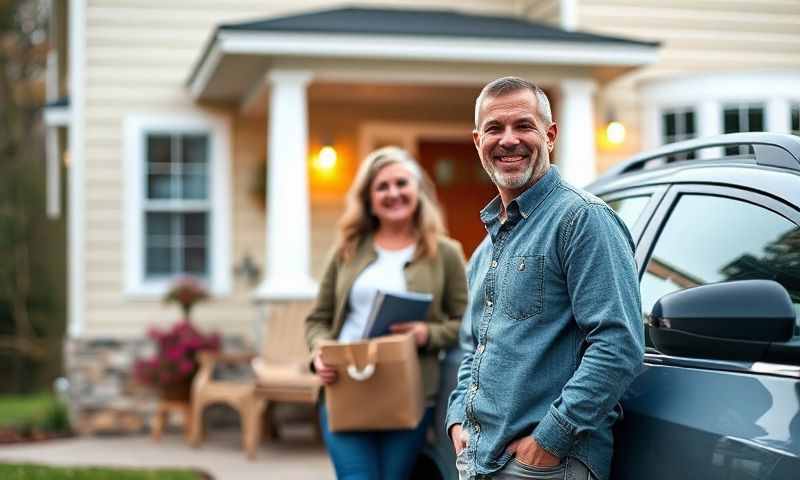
<point>462,186</point>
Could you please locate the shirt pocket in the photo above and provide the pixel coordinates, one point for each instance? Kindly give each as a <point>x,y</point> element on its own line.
<point>523,287</point>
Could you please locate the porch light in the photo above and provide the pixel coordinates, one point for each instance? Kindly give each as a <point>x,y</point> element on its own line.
<point>325,161</point>
<point>615,133</point>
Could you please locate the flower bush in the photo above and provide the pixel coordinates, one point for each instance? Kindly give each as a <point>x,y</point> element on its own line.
<point>174,362</point>
<point>186,292</point>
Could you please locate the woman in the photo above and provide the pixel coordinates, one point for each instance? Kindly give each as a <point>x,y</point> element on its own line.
<point>392,239</point>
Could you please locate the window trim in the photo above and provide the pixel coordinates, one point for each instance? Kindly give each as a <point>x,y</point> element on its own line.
<point>677,110</point>
<point>136,126</point>
<point>794,109</point>
<point>707,93</point>
<point>743,117</point>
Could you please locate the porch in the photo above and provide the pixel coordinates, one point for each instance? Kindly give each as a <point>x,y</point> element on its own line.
<point>325,88</point>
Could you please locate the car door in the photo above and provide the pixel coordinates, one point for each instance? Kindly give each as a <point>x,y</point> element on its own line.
<point>706,418</point>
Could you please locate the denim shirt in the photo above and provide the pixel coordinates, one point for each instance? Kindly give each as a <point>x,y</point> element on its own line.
<point>557,334</point>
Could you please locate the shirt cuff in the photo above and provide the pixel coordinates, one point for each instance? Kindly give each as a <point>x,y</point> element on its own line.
<point>453,418</point>
<point>554,434</point>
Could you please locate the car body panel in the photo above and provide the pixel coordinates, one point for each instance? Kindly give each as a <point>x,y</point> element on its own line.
<point>692,418</point>
<point>688,421</point>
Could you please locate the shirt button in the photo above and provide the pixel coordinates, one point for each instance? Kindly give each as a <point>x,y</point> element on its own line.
<point>477,428</point>
<point>474,387</point>
<point>494,263</point>
<point>488,303</point>
<point>481,348</point>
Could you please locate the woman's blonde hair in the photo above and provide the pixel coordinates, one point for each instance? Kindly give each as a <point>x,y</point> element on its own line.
<point>358,221</point>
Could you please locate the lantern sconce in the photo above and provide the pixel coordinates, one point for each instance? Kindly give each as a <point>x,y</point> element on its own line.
<point>615,130</point>
<point>326,159</point>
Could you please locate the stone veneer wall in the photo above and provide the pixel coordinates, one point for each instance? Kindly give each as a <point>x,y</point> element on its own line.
<point>102,395</point>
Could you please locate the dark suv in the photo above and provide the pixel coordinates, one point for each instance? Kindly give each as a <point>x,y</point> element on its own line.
<point>718,249</point>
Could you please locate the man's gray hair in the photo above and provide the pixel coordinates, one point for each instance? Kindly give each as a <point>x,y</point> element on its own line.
<point>505,85</point>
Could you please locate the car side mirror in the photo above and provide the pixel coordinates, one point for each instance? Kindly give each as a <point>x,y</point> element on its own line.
<point>725,321</point>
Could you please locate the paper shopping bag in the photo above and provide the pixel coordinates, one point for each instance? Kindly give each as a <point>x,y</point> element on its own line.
<point>379,385</point>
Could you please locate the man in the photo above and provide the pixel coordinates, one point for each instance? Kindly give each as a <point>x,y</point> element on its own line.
<point>554,310</point>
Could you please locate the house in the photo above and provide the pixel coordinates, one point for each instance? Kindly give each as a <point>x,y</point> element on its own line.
<point>218,139</point>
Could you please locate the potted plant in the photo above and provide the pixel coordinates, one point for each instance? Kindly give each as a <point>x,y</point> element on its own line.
<point>186,292</point>
<point>172,367</point>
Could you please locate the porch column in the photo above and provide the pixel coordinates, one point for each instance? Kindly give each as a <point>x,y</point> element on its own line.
<point>576,143</point>
<point>288,254</point>
<point>778,116</point>
<point>709,123</point>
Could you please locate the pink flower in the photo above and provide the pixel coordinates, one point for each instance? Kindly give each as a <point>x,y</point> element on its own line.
<point>175,353</point>
<point>186,367</point>
<point>174,360</point>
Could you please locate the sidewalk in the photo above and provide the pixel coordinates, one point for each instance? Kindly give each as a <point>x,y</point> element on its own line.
<point>294,457</point>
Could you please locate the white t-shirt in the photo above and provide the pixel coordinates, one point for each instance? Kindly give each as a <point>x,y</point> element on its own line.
<point>385,274</point>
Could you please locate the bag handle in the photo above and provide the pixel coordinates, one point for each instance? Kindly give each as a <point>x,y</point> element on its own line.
<point>369,369</point>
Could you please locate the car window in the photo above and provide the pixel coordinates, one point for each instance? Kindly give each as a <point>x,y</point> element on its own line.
<point>709,239</point>
<point>629,209</point>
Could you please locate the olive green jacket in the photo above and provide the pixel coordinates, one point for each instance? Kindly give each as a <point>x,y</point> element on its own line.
<point>441,275</point>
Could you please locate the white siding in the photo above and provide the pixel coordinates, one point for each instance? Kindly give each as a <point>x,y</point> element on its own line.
<point>139,54</point>
<point>696,37</point>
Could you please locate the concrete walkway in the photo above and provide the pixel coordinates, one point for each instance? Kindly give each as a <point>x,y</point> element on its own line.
<point>293,457</point>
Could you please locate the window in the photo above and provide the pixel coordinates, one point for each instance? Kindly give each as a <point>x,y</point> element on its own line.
<point>176,202</point>
<point>795,119</point>
<point>714,239</point>
<point>176,207</point>
<point>678,124</point>
<point>629,209</point>
<point>742,118</point>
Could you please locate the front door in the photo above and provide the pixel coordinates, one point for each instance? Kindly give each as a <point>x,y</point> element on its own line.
<point>462,185</point>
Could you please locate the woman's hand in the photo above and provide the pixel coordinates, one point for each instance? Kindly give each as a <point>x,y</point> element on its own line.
<point>325,373</point>
<point>420,331</point>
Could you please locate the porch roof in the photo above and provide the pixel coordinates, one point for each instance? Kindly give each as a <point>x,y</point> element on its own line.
<point>437,23</point>
<point>362,38</point>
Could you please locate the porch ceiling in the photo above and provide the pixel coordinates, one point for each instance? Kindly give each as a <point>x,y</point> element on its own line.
<point>403,46</point>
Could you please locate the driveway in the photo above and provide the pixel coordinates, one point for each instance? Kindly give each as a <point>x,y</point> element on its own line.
<point>294,456</point>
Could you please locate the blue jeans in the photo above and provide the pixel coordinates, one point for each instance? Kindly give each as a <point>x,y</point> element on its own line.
<point>374,455</point>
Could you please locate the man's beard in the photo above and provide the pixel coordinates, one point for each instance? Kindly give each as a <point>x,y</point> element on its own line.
<point>513,181</point>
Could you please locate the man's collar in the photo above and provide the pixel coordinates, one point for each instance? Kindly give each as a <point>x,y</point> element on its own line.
<point>525,203</point>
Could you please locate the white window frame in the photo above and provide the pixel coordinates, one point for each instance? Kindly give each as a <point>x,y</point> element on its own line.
<point>136,128</point>
<point>709,93</point>
<point>743,109</point>
<point>680,127</point>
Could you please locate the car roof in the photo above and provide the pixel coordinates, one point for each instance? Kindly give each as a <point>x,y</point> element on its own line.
<point>774,181</point>
<point>771,165</point>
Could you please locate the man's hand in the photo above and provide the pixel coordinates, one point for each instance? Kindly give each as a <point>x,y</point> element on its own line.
<point>528,452</point>
<point>457,437</point>
<point>325,373</point>
<point>420,331</point>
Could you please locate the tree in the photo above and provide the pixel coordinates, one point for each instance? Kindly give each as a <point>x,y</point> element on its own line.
<point>28,293</point>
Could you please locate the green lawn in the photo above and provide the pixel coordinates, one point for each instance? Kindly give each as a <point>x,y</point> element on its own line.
<point>38,411</point>
<point>38,472</point>
<point>18,409</point>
